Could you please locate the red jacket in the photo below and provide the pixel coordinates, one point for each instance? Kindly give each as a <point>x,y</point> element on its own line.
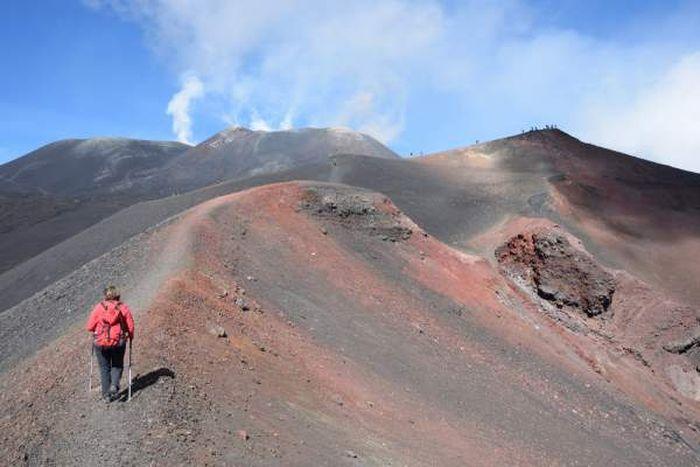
<point>110,320</point>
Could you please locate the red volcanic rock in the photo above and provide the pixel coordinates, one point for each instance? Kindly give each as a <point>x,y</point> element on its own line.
<point>557,272</point>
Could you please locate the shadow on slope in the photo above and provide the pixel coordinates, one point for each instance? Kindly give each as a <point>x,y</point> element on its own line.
<point>141,382</point>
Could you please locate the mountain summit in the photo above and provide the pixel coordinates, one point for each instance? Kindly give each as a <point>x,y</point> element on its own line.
<point>239,152</point>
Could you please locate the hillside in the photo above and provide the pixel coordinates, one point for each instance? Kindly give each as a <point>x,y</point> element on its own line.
<point>75,167</point>
<point>633,214</point>
<point>62,188</point>
<point>529,300</point>
<point>392,361</point>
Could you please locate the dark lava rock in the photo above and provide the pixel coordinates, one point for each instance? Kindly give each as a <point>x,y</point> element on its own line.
<point>337,203</point>
<point>557,272</point>
<point>683,344</point>
<point>356,210</point>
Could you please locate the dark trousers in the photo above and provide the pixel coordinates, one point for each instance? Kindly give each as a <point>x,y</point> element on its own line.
<point>111,360</point>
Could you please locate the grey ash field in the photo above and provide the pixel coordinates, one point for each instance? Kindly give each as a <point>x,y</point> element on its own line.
<point>310,298</point>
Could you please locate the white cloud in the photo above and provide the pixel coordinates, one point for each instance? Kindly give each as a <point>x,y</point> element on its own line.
<point>179,107</point>
<point>361,112</point>
<point>660,121</point>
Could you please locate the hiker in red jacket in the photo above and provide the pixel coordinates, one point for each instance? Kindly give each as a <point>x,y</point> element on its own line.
<point>112,325</point>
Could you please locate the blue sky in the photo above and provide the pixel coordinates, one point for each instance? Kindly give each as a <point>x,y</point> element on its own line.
<point>420,75</point>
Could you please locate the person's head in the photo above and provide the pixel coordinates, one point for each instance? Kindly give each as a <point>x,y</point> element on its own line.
<point>111,293</point>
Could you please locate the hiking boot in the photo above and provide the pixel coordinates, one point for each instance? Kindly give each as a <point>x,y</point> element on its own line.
<point>113,393</point>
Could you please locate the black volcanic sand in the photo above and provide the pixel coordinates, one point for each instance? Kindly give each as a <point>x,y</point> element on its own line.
<point>75,167</point>
<point>453,209</point>
<point>64,187</point>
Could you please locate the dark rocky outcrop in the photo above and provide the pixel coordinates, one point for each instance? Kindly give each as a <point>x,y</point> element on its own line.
<point>557,272</point>
<point>357,210</point>
<point>683,344</point>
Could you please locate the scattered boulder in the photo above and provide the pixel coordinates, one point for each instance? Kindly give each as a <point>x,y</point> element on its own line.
<point>557,272</point>
<point>685,382</point>
<point>395,234</point>
<point>338,399</point>
<point>217,330</point>
<point>242,303</point>
<point>683,344</point>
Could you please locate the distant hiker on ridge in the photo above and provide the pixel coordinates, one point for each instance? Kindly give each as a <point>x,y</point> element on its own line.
<point>112,325</point>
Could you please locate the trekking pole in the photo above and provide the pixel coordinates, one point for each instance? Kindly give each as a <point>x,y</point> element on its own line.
<point>129,395</point>
<point>92,354</point>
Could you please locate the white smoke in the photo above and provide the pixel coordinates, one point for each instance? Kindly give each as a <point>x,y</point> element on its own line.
<point>659,122</point>
<point>360,111</point>
<point>257,123</point>
<point>264,69</point>
<point>179,107</point>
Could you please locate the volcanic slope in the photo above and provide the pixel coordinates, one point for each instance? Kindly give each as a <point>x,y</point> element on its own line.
<point>77,166</point>
<point>308,323</point>
<point>62,188</point>
<point>467,198</point>
<point>632,214</point>
<point>454,208</point>
<point>516,191</point>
